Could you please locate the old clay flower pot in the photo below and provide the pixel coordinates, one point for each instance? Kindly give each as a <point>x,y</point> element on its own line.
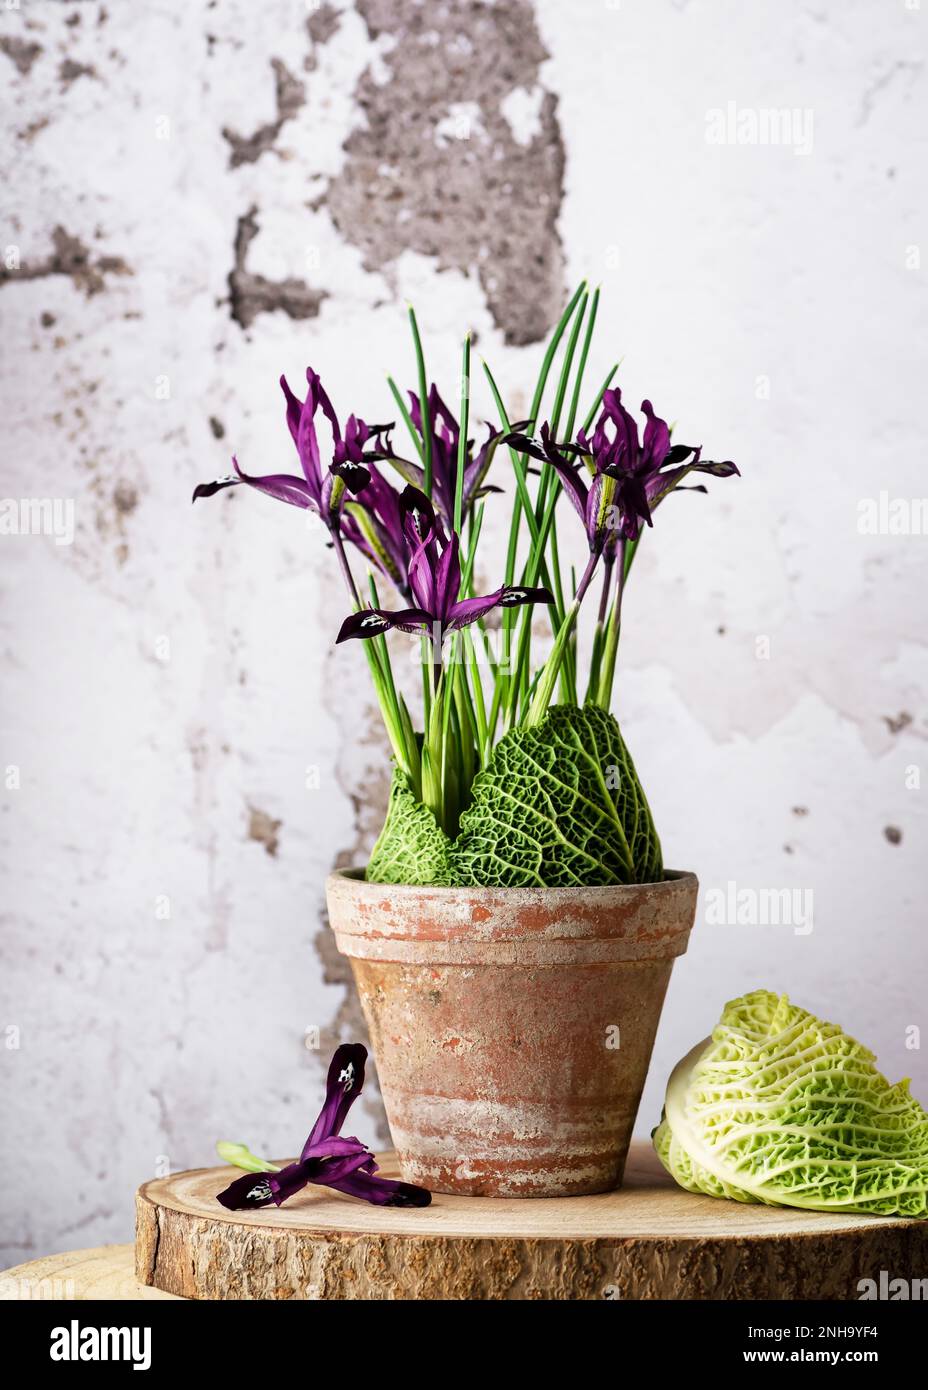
<point>512,1027</point>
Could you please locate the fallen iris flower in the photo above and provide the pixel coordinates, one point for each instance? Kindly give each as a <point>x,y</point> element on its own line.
<point>327,1159</point>
<point>435,582</point>
<point>322,492</point>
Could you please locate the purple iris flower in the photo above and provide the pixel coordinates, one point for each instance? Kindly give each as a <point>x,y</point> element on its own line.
<point>446,433</point>
<point>319,490</point>
<point>644,472</point>
<point>628,477</point>
<point>327,1159</point>
<point>435,580</point>
<point>590,500</point>
<point>374,524</point>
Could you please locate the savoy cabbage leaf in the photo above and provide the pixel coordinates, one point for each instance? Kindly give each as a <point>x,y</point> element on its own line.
<point>412,848</point>
<point>781,1108</point>
<point>558,805</point>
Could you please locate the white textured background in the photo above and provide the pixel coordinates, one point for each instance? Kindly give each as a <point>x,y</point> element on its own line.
<point>772,303</point>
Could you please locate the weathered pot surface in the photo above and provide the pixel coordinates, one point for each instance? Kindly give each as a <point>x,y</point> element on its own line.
<point>512,1027</point>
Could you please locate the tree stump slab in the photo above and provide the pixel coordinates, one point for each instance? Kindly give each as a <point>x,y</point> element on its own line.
<point>647,1239</point>
<point>106,1272</point>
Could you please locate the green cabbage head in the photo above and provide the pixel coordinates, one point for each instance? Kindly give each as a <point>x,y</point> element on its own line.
<point>781,1108</point>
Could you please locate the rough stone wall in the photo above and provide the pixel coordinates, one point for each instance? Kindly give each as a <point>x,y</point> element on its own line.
<point>198,197</point>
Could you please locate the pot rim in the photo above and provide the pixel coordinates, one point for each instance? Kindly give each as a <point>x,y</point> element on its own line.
<point>674,881</point>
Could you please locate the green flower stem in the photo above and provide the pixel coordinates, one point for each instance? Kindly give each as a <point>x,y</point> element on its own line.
<point>566,366</point>
<point>472,541</point>
<point>407,418</point>
<point>518,468</point>
<point>378,660</point>
<point>479,706</point>
<point>423,406</point>
<point>474,689</point>
<point>545,688</point>
<point>448,788</point>
<point>448,736</point>
<point>551,349</point>
<point>528,509</point>
<point>469,733</point>
<point>530,573</point>
<point>549,481</point>
<point>517,683</point>
<point>432,779</point>
<point>425,667</point>
<point>599,396</point>
<point>506,689</point>
<point>512,680</point>
<point>503,696</point>
<point>398,719</point>
<point>405,754</point>
<point>549,673</point>
<point>592,688</point>
<point>608,562</point>
<point>569,687</point>
<point>411,742</point>
<point>547,472</point>
<point>581,366</point>
<point>613,631</point>
<point>500,687</point>
<point>547,522</point>
<point>339,547</point>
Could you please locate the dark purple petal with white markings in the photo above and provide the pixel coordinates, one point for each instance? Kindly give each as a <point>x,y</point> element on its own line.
<point>328,1159</point>
<point>210,489</point>
<point>343,1086</point>
<point>372,622</point>
<point>468,610</point>
<point>381,1192</point>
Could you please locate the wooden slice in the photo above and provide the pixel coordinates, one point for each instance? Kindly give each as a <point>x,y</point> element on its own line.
<point>648,1239</point>
<point>107,1272</point>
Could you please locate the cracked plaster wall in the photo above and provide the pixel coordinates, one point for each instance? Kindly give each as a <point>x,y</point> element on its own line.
<point>201,196</point>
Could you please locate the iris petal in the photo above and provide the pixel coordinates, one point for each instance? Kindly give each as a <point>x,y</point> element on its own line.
<point>343,1085</point>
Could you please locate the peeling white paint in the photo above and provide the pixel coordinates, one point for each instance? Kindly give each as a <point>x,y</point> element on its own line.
<point>463,122</point>
<point>522,109</point>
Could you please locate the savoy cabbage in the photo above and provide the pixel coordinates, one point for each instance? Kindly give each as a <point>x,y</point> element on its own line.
<point>781,1108</point>
<point>559,804</point>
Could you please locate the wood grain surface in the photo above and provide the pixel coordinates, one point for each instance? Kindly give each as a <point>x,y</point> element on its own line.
<point>648,1239</point>
<point>106,1272</point>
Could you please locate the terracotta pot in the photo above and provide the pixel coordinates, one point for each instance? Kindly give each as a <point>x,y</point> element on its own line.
<point>512,1027</point>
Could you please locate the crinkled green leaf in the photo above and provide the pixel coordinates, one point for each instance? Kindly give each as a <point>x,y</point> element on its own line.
<point>781,1108</point>
<point>412,848</point>
<point>559,804</point>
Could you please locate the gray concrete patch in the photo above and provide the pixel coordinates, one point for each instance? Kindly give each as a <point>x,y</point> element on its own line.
<point>436,167</point>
